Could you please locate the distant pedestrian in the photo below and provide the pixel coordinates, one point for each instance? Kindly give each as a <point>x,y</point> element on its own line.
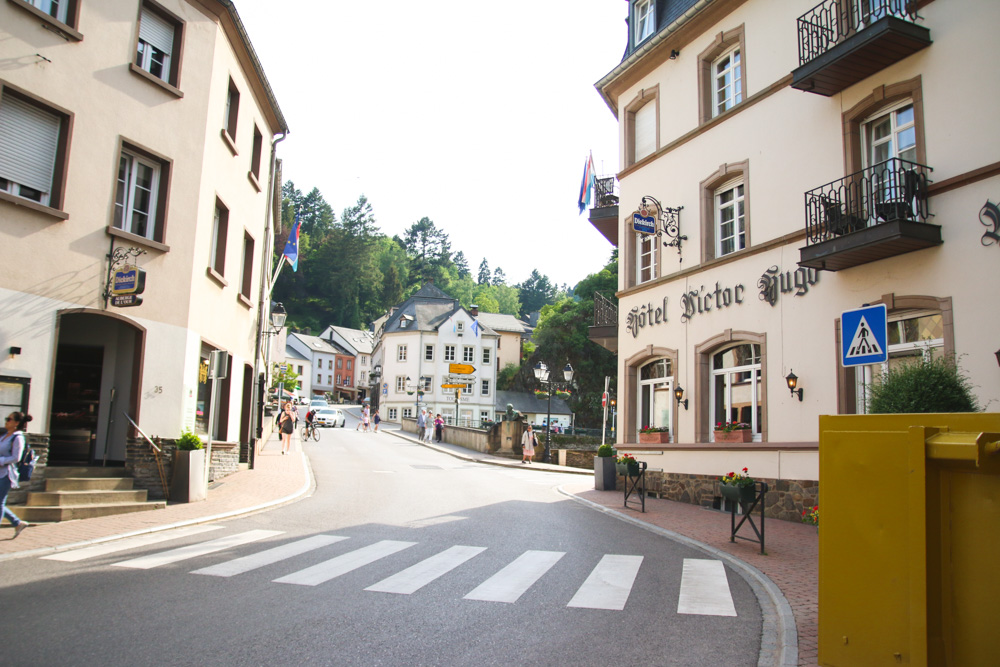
<point>528,442</point>
<point>376,420</point>
<point>11,448</point>
<point>421,423</point>
<point>438,427</point>
<point>429,428</point>
<point>286,426</point>
<point>363,424</point>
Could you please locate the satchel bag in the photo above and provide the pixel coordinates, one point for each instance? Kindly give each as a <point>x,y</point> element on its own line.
<point>26,466</point>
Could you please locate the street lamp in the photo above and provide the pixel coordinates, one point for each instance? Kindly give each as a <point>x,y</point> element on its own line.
<point>373,379</point>
<point>542,375</point>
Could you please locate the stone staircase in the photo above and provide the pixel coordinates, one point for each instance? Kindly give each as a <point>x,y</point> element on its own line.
<point>83,493</point>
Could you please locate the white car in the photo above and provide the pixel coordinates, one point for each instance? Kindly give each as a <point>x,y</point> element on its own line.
<point>318,404</point>
<point>329,417</point>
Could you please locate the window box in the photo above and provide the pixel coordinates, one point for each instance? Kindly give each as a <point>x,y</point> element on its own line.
<point>743,435</point>
<point>654,438</point>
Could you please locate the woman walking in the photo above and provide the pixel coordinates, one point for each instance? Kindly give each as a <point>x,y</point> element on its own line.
<point>11,449</point>
<point>286,425</point>
<point>528,442</point>
<point>376,420</point>
<point>438,427</point>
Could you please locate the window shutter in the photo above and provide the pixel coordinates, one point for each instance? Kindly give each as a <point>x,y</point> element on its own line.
<point>156,31</point>
<point>645,131</point>
<point>29,138</point>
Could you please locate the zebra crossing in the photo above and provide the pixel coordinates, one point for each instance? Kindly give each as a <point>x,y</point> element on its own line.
<point>704,587</point>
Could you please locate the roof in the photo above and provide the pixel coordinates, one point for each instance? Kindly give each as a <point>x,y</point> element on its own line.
<point>426,310</point>
<point>292,353</point>
<point>501,322</point>
<point>363,341</point>
<point>528,403</point>
<point>317,344</point>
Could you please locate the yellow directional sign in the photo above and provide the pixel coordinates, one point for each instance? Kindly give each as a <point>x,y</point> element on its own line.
<point>453,386</point>
<point>462,369</point>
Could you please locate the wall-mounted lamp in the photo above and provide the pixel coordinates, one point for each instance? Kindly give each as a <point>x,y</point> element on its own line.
<point>679,395</point>
<point>278,316</point>
<point>14,351</point>
<point>674,53</point>
<point>793,380</point>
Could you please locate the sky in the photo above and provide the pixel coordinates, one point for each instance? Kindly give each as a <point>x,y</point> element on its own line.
<point>479,116</point>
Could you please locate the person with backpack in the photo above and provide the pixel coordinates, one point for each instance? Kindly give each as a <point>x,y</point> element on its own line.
<point>12,448</point>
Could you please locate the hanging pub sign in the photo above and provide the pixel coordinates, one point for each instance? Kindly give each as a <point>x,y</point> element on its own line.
<point>126,300</point>
<point>128,280</point>
<point>644,220</point>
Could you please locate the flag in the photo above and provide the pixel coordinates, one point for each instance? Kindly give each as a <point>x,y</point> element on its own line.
<point>291,252</point>
<point>588,183</point>
<point>475,327</point>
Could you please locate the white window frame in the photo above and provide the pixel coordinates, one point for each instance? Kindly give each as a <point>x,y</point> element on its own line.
<point>484,416</point>
<point>407,413</point>
<point>460,326</point>
<point>152,40</point>
<point>487,356</point>
<point>647,258</point>
<point>468,354</point>
<point>400,384</point>
<point>484,388</point>
<point>429,352</point>
<point>401,353</point>
<point>61,8</point>
<point>220,233</point>
<point>728,81</point>
<point>32,135</point>
<point>449,353</point>
<point>644,18</point>
<point>726,376</point>
<point>427,383</point>
<point>865,375</point>
<point>126,188</point>
<point>644,132</point>
<point>737,206</point>
<point>392,414</point>
<point>648,391</point>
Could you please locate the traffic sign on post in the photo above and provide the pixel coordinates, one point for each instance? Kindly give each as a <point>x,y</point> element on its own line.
<point>604,400</point>
<point>464,369</point>
<point>864,336</point>
<point>453,386</point>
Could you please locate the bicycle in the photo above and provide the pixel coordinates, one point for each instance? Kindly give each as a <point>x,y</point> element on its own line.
<point>310,431</point>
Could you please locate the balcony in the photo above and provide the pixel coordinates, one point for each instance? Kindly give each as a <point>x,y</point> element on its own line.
<point>876,213</point>
<point>605,329</point>
<point>604,215</point>
<point>842,42</point>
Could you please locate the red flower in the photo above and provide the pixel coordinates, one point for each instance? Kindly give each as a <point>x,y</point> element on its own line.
<point>744,470</point>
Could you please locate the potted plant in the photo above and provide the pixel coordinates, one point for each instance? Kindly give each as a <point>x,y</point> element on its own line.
<point>654,434</point>
<point>563,394</point>
<point>740,487</point>
<point>604,468</point>
<point>627,465</point>
<point>733,432</point>
<point>811,516</point>
<point>187,483</point>
<point>541,394</point>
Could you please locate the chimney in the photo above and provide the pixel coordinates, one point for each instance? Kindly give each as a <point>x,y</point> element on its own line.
<point>474,309</point>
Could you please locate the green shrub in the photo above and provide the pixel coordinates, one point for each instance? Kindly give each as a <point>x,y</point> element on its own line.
<point>189,441</point>
<point>922,385</point>
<point>605,450</point>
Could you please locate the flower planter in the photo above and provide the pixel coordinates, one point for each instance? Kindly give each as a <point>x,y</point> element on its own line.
<point>742,494</point>
<point>630,469</point>
<point>743,435</point>
<point>188,482</point>
<point>604,473</point>
<point>654,438</point>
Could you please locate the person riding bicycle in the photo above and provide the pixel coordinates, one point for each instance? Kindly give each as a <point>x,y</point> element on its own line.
<point>310,417</point>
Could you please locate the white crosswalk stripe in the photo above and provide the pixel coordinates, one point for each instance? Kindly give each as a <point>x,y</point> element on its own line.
<point>513,581</point>
<point>327,570</point>
<point>414,578</point>
<point>191,551</point>
<point>705,589</point>
<point>609,584</point>
<point>128,543</point>
<point>277,554</point>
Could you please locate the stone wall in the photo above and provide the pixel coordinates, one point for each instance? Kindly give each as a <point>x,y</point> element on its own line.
<point>140,463</point>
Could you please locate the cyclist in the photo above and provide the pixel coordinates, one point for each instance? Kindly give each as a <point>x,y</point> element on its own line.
<point>310,421</point>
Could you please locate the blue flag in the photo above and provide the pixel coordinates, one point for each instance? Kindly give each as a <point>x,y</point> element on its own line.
<point>291,252</point>
<point>475,327</point>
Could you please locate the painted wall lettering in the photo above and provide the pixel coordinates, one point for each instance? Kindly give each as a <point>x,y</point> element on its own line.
<point>645,314</point>
<point>774,281</point>
<point>702,300</point>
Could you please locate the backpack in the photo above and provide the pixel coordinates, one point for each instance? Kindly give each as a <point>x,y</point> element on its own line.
<point>26,466</point>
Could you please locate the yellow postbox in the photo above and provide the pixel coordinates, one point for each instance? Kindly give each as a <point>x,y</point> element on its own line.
<point>909,542</point>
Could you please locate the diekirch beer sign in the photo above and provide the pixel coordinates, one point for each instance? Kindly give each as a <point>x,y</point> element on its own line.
<point>127,284</point>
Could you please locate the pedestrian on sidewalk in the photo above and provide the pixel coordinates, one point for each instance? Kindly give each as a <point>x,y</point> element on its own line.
<point>421,423</point>
<point>528,442</point>
<point>428,428</point>
<point>438,427</point>
<point>365,412</point>
<point>286,425</point>
<point>375,420</point>
<point>11,448</point>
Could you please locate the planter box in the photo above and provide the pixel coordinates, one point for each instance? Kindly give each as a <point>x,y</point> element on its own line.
<point>188,482</point>
<point>734,436</point>
<point>630,469</point>
<point>654,438</point>
<point>604,473</point>
<point>741,494</point>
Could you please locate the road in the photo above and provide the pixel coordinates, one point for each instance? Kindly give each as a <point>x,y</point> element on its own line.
<point>402,556</point>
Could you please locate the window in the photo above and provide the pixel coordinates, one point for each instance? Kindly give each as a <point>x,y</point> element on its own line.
<point>487,356</point>
<point>428,353</point>
<point>401,353</point>
<point>647,266</point>
<point>656,395</point>
<point>449,353</point>
<point>339,380</point>
<point>890,133</point>
<point>460,327</point>
<point>140,200</point>
<point>400,384</point>
<point>60,14</point>
<point>33,142</point>
<point>329,364</point>
<point>158,44</point>
<point>643,20</point>
<point>484,416</point>
<point>427,384</point>
<point>485,388</point>
<point>642,125</point>
<point>255,157</point>
<point>407,413</point>
<point>319,378</point>
<point>722,81</point>
<point>730,229</point>
<point>246,285</point>
<point>329,380</point>
<point>350,364</point>
<point>468,354</point>
<point>393,412</point>
<point>220,229</point>
<point>300,370</point>
<point>232,110</point>
<point>340,363</point>
<point>735,388</point>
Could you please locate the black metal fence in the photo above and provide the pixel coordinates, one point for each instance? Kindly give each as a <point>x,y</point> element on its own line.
<point>889,191</point>
<point>605,192</point>
<point>605,311</point>
<point>832,21</point>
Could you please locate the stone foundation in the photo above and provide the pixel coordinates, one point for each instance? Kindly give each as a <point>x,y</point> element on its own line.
<point>140,463</point>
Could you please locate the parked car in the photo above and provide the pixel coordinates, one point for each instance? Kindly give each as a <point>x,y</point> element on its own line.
<point>329,417</point>
<point>318,404</point>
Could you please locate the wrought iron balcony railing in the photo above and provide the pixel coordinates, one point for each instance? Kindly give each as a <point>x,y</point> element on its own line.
<point>891,191</point>
<point>606,192</point>
<point>605,311</point>
<point>833,21</point>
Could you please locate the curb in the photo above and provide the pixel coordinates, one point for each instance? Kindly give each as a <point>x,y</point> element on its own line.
<point>779,643</point>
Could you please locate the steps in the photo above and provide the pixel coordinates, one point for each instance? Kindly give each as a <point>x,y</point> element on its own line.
<point>77,492</point>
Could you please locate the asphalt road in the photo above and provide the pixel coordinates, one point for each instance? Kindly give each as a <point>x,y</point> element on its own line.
<point>401,556</point>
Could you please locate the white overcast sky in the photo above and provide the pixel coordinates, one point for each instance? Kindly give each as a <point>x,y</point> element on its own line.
<point>476,115</point>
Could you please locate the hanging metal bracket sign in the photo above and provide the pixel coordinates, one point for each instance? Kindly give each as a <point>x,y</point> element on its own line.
<point>654,218</point>
<point>124,279</point>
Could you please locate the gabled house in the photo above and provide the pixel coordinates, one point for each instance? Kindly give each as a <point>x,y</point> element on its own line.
<point>358,344</point>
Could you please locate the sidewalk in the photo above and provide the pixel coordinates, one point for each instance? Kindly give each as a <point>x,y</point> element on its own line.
<point>275,480</point>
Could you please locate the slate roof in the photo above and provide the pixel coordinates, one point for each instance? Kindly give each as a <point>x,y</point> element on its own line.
<point>317,344</point>
<point>426,310</point>
<point>363,341</point>
<point>501,322</point>
<point>528,403</point>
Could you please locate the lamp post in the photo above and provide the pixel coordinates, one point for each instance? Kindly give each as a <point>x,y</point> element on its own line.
<point>373,379</point>
<point>542,375</point>
<point>278,316</point>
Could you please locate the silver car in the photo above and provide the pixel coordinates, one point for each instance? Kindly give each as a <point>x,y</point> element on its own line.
<point>329,417</point>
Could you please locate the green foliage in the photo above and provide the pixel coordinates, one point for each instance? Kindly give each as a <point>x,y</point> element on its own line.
<point>505,379</point>
<point>289,380</point>
<point>484,272</point>
<point>189,441</point>
<point>536,292</point>
<point>605,450</point>
<point>922,385</point>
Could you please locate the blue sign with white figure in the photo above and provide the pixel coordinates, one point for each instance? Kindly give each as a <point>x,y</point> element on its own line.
<point>643,224</point>
<point>864,336</point>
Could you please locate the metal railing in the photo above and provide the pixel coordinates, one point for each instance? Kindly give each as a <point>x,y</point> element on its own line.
<point>605,192</point>
<point>887,192</point>
<point>605,311</point>
<point>156,455</point>
<point>833,21</point>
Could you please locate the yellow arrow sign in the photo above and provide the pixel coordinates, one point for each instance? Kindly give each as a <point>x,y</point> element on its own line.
<point>462,369</point>
<point>453,386</point>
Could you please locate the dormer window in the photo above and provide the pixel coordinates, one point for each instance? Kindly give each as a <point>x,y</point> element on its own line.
<point>644,18</point>
<point>460,327</point>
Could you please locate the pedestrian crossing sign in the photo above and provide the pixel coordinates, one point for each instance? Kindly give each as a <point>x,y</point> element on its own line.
<point>863,336</point>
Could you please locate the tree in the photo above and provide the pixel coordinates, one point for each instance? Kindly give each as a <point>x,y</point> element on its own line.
<point>508,299</point>
<point>536,291</point>
<point>289,380</point>
<point>428,249</point>
<point>484,272</point>
<point>499,277</point>
<point>315,214</point>
<point>462,264</point>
